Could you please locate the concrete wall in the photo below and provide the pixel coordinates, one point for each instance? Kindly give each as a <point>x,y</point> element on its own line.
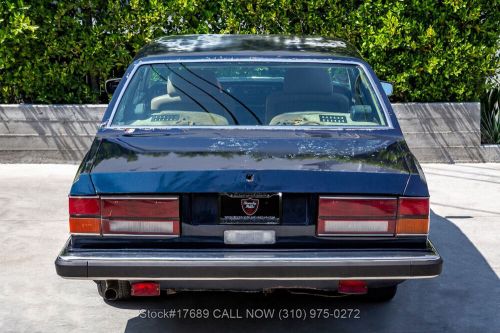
<point>445,132</point>
<point>435,132</point>
<point>47,133</point>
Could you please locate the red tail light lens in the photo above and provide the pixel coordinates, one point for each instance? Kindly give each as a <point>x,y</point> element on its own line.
<point>84,206</point>
<point>124,216</point>
<point>349,207</point>
<point>130,208</point>
<point>355,216</point>
<point>140,216</point>
<point>414,207</point>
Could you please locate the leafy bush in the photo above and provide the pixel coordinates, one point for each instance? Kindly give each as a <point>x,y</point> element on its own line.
<point>62,51</point>
<point>490,113</point>
<point>431,50</point>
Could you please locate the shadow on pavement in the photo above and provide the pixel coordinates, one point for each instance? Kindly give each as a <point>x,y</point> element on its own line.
<point>465,298</point>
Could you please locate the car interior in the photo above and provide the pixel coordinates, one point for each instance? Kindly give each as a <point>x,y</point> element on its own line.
<point>177,95</point>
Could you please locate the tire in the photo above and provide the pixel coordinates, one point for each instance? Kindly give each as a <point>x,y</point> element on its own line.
<point>112,291</point>
<point>382,294</point>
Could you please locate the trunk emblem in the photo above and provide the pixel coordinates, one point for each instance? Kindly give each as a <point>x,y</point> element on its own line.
<point>250,206</point>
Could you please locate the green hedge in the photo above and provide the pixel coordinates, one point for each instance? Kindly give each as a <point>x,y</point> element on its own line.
<point>62,51</point>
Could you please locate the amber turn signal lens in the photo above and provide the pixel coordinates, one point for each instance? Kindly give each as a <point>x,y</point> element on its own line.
<point>84,225</point>
<point>407,226</point>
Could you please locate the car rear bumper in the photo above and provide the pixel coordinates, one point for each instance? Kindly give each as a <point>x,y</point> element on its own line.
<point>265,266</point>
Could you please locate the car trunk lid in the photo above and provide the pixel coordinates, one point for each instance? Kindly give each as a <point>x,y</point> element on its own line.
<point>248,161</point>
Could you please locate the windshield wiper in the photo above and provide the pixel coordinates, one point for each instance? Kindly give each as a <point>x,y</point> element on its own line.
<point>225,92</point>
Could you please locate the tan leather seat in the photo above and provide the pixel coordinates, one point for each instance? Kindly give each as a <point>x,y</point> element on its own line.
<point>306,89</point>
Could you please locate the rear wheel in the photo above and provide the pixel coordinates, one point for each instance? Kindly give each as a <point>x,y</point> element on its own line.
<point>382,294</point>
<point>113,290</point>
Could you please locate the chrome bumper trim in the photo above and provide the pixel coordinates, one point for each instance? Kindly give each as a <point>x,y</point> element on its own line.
<point>249,265</point>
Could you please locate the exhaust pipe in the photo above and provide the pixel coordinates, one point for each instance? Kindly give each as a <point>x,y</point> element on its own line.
<point>111,290</point>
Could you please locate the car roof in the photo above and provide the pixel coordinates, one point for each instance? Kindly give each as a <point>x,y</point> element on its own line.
<point>247,45</point>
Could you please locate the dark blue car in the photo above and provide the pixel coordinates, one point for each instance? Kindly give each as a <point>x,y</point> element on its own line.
<point>244,162</point>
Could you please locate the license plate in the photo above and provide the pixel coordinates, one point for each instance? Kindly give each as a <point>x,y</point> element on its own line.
<point>249,237</point>
<point>255,208</point>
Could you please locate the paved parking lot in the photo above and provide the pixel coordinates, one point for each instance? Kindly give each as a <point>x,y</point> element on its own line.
<point>465,227</point>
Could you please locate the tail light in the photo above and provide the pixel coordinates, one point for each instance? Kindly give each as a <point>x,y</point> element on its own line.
<point>356,216</point>
<point>343,216</point>
<point>84,215</point>
<point>413,216</point>
<point>125,216</point>
<point>140,216</point>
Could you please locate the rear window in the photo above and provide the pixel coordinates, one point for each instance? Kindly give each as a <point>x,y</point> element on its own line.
<point>249,93</point>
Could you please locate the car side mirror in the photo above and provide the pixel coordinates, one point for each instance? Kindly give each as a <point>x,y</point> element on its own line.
<point>388,88</point>
<point>111,85</point>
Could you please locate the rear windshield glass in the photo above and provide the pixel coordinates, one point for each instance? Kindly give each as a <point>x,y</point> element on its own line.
<point>249,93</point>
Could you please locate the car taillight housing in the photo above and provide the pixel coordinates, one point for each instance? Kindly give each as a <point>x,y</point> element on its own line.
<point>144,216</point>
<point>84,215</point>
<point>413,216</point>
<point>352,216</point>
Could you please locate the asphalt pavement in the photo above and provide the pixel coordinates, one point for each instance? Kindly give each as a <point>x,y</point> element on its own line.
<point>465,228</point>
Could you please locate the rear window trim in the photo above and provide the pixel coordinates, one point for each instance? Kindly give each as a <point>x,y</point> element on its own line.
<point>140,63</point>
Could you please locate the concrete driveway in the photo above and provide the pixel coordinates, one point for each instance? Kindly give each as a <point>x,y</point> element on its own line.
<point>465,228</point>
